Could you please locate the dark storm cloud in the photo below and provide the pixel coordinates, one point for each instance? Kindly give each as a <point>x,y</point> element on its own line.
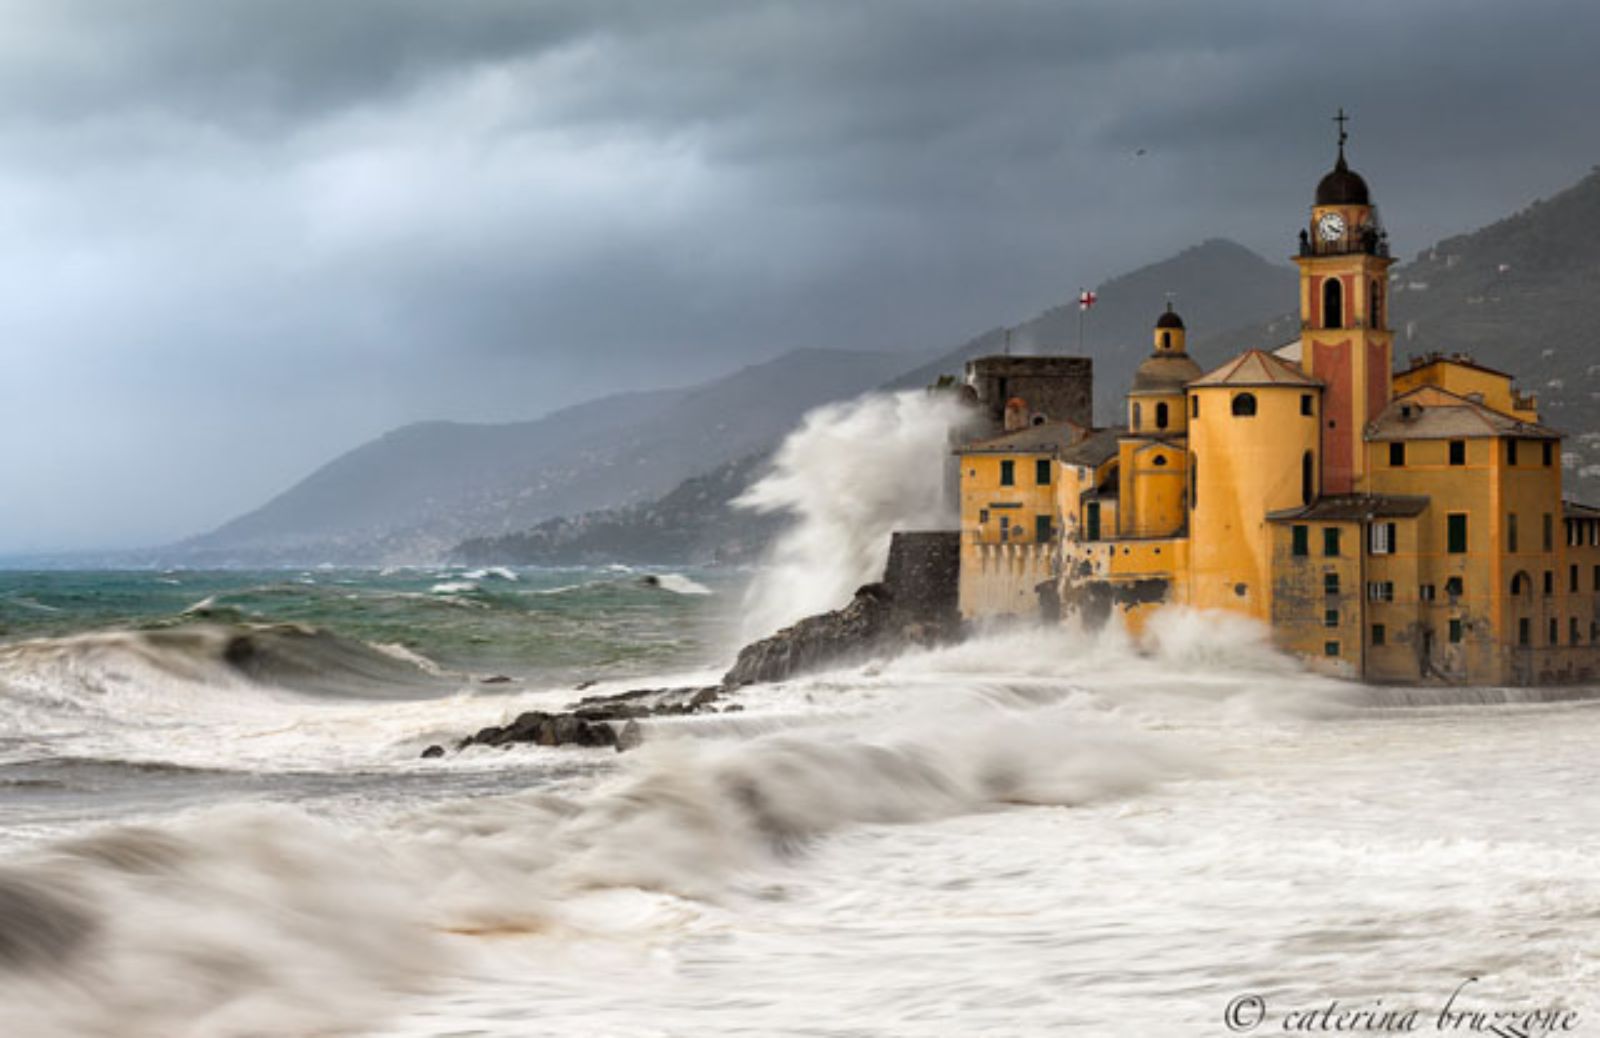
<point>236,238</point>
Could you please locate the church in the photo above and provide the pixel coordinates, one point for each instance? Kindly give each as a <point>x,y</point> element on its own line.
<point>1388,525</point>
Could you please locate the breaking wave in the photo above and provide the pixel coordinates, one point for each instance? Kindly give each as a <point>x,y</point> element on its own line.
<point>849,476</point>
<point>264,921</point>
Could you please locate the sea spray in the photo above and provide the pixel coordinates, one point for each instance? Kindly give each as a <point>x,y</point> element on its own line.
<point>851,475</point>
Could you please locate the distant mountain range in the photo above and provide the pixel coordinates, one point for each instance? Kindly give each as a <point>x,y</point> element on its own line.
<point>416,492</point>
<point>647,476</point>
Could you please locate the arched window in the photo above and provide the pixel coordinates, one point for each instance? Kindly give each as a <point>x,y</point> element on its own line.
<point>1135,417</point>
<point>1161,416</point>
<point>1521,584</point>
<point>1308,471</point>
<point>1377,304</point>
<point>1244,405</point>
<point>1333,303</point>
<point>1166,340</point>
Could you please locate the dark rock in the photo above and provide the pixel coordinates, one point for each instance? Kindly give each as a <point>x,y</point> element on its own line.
<point>582,685</point>
<point>495,679</point>
<point>433,751</point>
<point>631,737</point>
<point>704,697</point>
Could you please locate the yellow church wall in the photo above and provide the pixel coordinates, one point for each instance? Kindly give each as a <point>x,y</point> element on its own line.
<point>1133,578</point>
<point>1491,388</point>
<point>1153,478</point>
<point>1144,414</point>
<point>1316,600</point>
<point>1244,467</point>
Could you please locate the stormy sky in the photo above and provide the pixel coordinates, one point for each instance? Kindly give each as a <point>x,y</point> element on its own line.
<point>238,238</point>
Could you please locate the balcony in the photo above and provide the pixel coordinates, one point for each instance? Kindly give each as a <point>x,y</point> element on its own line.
<point>1369,240</point>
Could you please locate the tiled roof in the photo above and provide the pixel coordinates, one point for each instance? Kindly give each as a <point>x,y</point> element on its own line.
<point>1256,368</point>
<point>1354,508</point>
<point>1431,413</point>
<point>1099,448</point>
<point>1578,510</point>
<point>1035,439</point>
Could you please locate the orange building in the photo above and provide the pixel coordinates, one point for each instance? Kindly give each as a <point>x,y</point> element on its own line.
<point>1398,526</point>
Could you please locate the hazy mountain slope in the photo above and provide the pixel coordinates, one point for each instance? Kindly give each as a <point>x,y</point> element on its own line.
<point>694,523</point>
<point>1215,285</point>
<point>414,492</point>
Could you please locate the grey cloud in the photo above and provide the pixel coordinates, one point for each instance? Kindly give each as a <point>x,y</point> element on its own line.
<point>237,237</point>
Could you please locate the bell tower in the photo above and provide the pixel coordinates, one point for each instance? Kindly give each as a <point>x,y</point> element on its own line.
<point>1345,340</point>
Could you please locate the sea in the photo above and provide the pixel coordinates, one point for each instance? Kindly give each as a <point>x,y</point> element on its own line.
<point>216,819</point>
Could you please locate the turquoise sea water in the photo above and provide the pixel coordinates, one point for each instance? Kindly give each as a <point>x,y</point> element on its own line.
<point>548,624</point>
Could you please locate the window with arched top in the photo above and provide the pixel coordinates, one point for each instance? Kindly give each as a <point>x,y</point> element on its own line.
<point>1377,303</point>
<point>1136,417</point>
<point>1161,416</point>
<point>1333,303</point>
<point>1244,405</point>
<point>1166,340</point>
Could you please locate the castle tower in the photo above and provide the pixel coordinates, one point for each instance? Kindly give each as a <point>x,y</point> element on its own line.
<point>1345,342</point>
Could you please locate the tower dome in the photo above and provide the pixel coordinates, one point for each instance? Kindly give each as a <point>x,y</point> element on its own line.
<point>1342,186</point>
<point>1169,366</point>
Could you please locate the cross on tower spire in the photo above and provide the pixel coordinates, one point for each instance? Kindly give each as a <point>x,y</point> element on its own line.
<point>1341,119</point>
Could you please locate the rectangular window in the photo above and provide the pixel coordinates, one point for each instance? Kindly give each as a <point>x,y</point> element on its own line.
<point>1330,541</point>
<point>1524,631</point>
<point>1380,591</point>
<point>1458,452</point>
<point>1305,403</point>
<point>1455,631</point>
<point>1456,534</point>
<point>1093,518</point>
<point>1549,454</point>
<point>1597,578</point>
<point>1302,545</point>
<point>983,515</point>
<point>1555,631</point>
<point>1511,532</point>
<point>1005,527</point>
<point>1572,630</point>
<point>1572,580</point>
<point>1549,532</point>
<point>1549,582</point>
<point>1330,583</point>
<point>1378,634</point>
<point>1426,593</point>
<point>1043,529</point>
<point>1041,472</point>
<point>1381,538</point>
<point>1008,473</point>
<point>1330,648</point>
<point>1397,455</point>
<point>1194,407</point>
<point>1330,618</point>
<point>1511,452</point>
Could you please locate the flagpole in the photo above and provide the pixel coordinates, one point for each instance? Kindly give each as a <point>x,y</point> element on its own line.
<point>1081,309</point>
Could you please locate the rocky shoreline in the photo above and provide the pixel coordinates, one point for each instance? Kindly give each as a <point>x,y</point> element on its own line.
<point>877,622</point>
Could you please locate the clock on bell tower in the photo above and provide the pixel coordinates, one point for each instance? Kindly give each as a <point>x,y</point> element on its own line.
<point>1344,333</point>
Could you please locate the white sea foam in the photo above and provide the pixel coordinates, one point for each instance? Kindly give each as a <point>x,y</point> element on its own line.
<point>453,587</point>
<point>848,477</point>
<point>681,585</point>
<point>492,572</point>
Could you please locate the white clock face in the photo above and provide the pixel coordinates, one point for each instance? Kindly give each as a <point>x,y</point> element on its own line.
<point>1331,227</point>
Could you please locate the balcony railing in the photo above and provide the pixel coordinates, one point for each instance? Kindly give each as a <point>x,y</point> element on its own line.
<point>1368,240</point>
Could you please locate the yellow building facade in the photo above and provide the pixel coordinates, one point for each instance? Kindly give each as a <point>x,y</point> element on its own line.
<point>1392,526</point>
